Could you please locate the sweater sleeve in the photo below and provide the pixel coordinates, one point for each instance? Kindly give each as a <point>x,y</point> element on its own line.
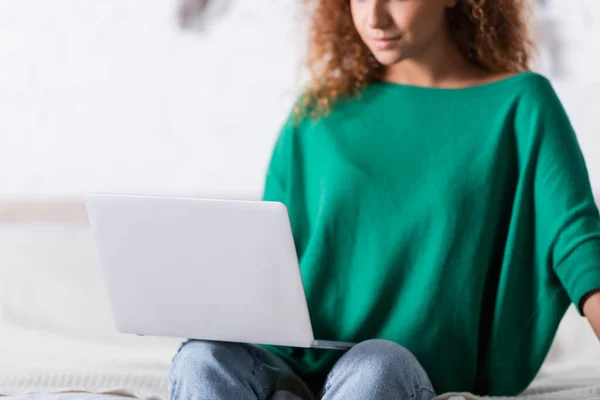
<point>566,216</point>
<point>277,173</point>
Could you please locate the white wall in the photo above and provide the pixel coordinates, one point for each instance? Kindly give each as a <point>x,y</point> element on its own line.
<point>111,95</point>
<point>577,29</point>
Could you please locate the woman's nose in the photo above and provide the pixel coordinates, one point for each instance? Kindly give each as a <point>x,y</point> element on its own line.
<point>378,14</point>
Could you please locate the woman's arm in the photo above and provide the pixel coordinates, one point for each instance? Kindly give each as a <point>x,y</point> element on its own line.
<point>566,216</point>
<point>591,309</point>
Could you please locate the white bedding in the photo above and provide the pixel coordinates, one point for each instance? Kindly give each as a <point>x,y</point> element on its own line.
<point>56,333</point>
<point>64,396</point>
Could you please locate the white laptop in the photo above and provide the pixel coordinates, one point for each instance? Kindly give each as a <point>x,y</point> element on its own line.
<point>202,269</point>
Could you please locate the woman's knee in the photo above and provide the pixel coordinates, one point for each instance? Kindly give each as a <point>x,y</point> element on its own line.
<point>201,358</point>
<point>384,362</point>
<point>382,354</point>
<point>214,370</point>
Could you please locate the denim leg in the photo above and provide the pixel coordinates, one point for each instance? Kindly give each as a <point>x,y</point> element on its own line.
<point>378,370</point>
<point>204,370</point>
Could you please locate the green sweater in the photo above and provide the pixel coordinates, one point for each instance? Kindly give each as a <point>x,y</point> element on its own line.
<point>459,223</point>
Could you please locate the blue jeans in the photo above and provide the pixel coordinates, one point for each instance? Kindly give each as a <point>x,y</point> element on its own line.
<point>371,370</point>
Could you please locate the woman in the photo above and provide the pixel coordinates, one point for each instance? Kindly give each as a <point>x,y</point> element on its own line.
<point>441,210</point>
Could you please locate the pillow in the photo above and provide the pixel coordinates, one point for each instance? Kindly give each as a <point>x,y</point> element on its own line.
<point>50,280</point>
<point>56,329</point>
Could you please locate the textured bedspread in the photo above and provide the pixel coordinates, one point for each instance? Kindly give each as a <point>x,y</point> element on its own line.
<point>64,396</point>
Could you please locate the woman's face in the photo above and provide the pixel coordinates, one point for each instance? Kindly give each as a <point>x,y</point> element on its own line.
<point>395,30</point>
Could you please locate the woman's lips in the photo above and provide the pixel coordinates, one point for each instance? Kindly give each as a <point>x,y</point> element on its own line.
<point>386,43</point>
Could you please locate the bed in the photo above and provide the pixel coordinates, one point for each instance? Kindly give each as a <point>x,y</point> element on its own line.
<point>57,340</point>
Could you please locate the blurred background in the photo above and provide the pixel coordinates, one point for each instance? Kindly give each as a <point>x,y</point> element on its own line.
<point>175,97</point>
<point>116,95</point>
<point>126,96</point>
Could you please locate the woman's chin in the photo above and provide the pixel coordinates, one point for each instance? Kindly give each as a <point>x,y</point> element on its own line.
<point>388,58</point>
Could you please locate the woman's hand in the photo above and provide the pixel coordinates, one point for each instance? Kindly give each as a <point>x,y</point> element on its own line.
<point>591,309</point>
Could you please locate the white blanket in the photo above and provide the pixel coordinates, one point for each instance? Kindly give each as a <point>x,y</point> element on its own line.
<point>56,332</point>
<point>64,396</point>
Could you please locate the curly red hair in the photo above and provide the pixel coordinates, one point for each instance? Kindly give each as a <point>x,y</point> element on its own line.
<point>492,34</point>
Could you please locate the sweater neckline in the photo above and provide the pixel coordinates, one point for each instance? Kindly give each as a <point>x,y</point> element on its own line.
<point>480,87</point>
